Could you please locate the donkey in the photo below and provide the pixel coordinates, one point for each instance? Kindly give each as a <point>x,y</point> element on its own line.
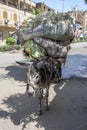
<point>39,76</point>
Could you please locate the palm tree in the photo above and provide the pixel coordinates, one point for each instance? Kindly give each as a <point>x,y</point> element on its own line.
<point>37,11</point>
<point>85,1</point>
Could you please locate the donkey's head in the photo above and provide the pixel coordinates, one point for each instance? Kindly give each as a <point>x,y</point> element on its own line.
<point>33,78</point>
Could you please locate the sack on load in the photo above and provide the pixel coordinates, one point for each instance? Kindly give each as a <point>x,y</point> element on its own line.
<point>53,49</point>
<point>32,50</point>
<point>60,28</point>
<point>50,25</point>
<point>41,47</point>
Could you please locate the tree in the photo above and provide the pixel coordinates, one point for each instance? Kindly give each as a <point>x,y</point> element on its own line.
<point>37,11</point>
<point>85,1</point>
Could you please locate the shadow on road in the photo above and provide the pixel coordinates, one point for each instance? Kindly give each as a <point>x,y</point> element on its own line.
<point>19,109</point>
<point>68,108</point>
<point>17,72</point>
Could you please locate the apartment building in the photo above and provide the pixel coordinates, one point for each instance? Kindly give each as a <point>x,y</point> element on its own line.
<point>85,19</point>
<point>43,6</point>
<point>12,12</point>
<point>79,17</point>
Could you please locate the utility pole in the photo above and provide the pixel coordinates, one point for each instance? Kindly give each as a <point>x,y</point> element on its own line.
<point>24,8</point>
<point>31,4</point>
<point>63,6</point>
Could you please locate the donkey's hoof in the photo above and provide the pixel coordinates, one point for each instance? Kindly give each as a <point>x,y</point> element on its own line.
<point>47,108</point>
<point>40,113</point>
<point>59,81</point>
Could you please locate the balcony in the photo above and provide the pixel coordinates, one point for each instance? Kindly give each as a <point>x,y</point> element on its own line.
<point>10,4</point>
<point>7,23</point>
<point>15,5</point>
<point>3,2</point>
<point>20,7</point>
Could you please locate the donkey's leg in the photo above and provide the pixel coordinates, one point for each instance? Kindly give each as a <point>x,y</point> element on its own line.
<point>59,77</point>
<point>40,101</point>
<point>27,87</point>
<point>47,95</point>
<point>58,72</point>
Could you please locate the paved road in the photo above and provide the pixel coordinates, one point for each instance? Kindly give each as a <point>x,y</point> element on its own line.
<point>12,91</point>
<point>9,58</point>
<point>68,100</point>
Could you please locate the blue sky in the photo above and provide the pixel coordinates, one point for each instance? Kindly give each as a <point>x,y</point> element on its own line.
<point>68,4</point>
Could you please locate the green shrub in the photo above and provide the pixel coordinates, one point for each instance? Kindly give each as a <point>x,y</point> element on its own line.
<point>9,48</point>
<point>6,48</point>
<point>10,40</point>
<point>18,47</point>
<point>78,40</point>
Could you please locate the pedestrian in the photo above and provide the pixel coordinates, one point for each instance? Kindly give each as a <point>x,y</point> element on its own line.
<point>17,41</point>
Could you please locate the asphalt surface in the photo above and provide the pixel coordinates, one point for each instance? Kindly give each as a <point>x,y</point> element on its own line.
<point>67,100</point>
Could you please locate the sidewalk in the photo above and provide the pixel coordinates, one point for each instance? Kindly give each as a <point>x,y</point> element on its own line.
<point>77,45</point>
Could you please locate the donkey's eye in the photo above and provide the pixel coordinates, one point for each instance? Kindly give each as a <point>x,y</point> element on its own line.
<point>37,76</point>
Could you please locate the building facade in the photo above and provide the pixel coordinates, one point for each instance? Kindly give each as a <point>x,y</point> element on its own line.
<point>85,19</point>
<point>78,16</point>
<point>43,6</point>
<point>12,12</point>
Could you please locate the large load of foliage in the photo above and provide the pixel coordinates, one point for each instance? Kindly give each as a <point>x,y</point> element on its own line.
<point>49,33</point>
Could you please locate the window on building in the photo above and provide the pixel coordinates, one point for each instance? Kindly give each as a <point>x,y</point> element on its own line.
<point>5,15</point>
<point>15,18</point>
<point>4,1</point>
